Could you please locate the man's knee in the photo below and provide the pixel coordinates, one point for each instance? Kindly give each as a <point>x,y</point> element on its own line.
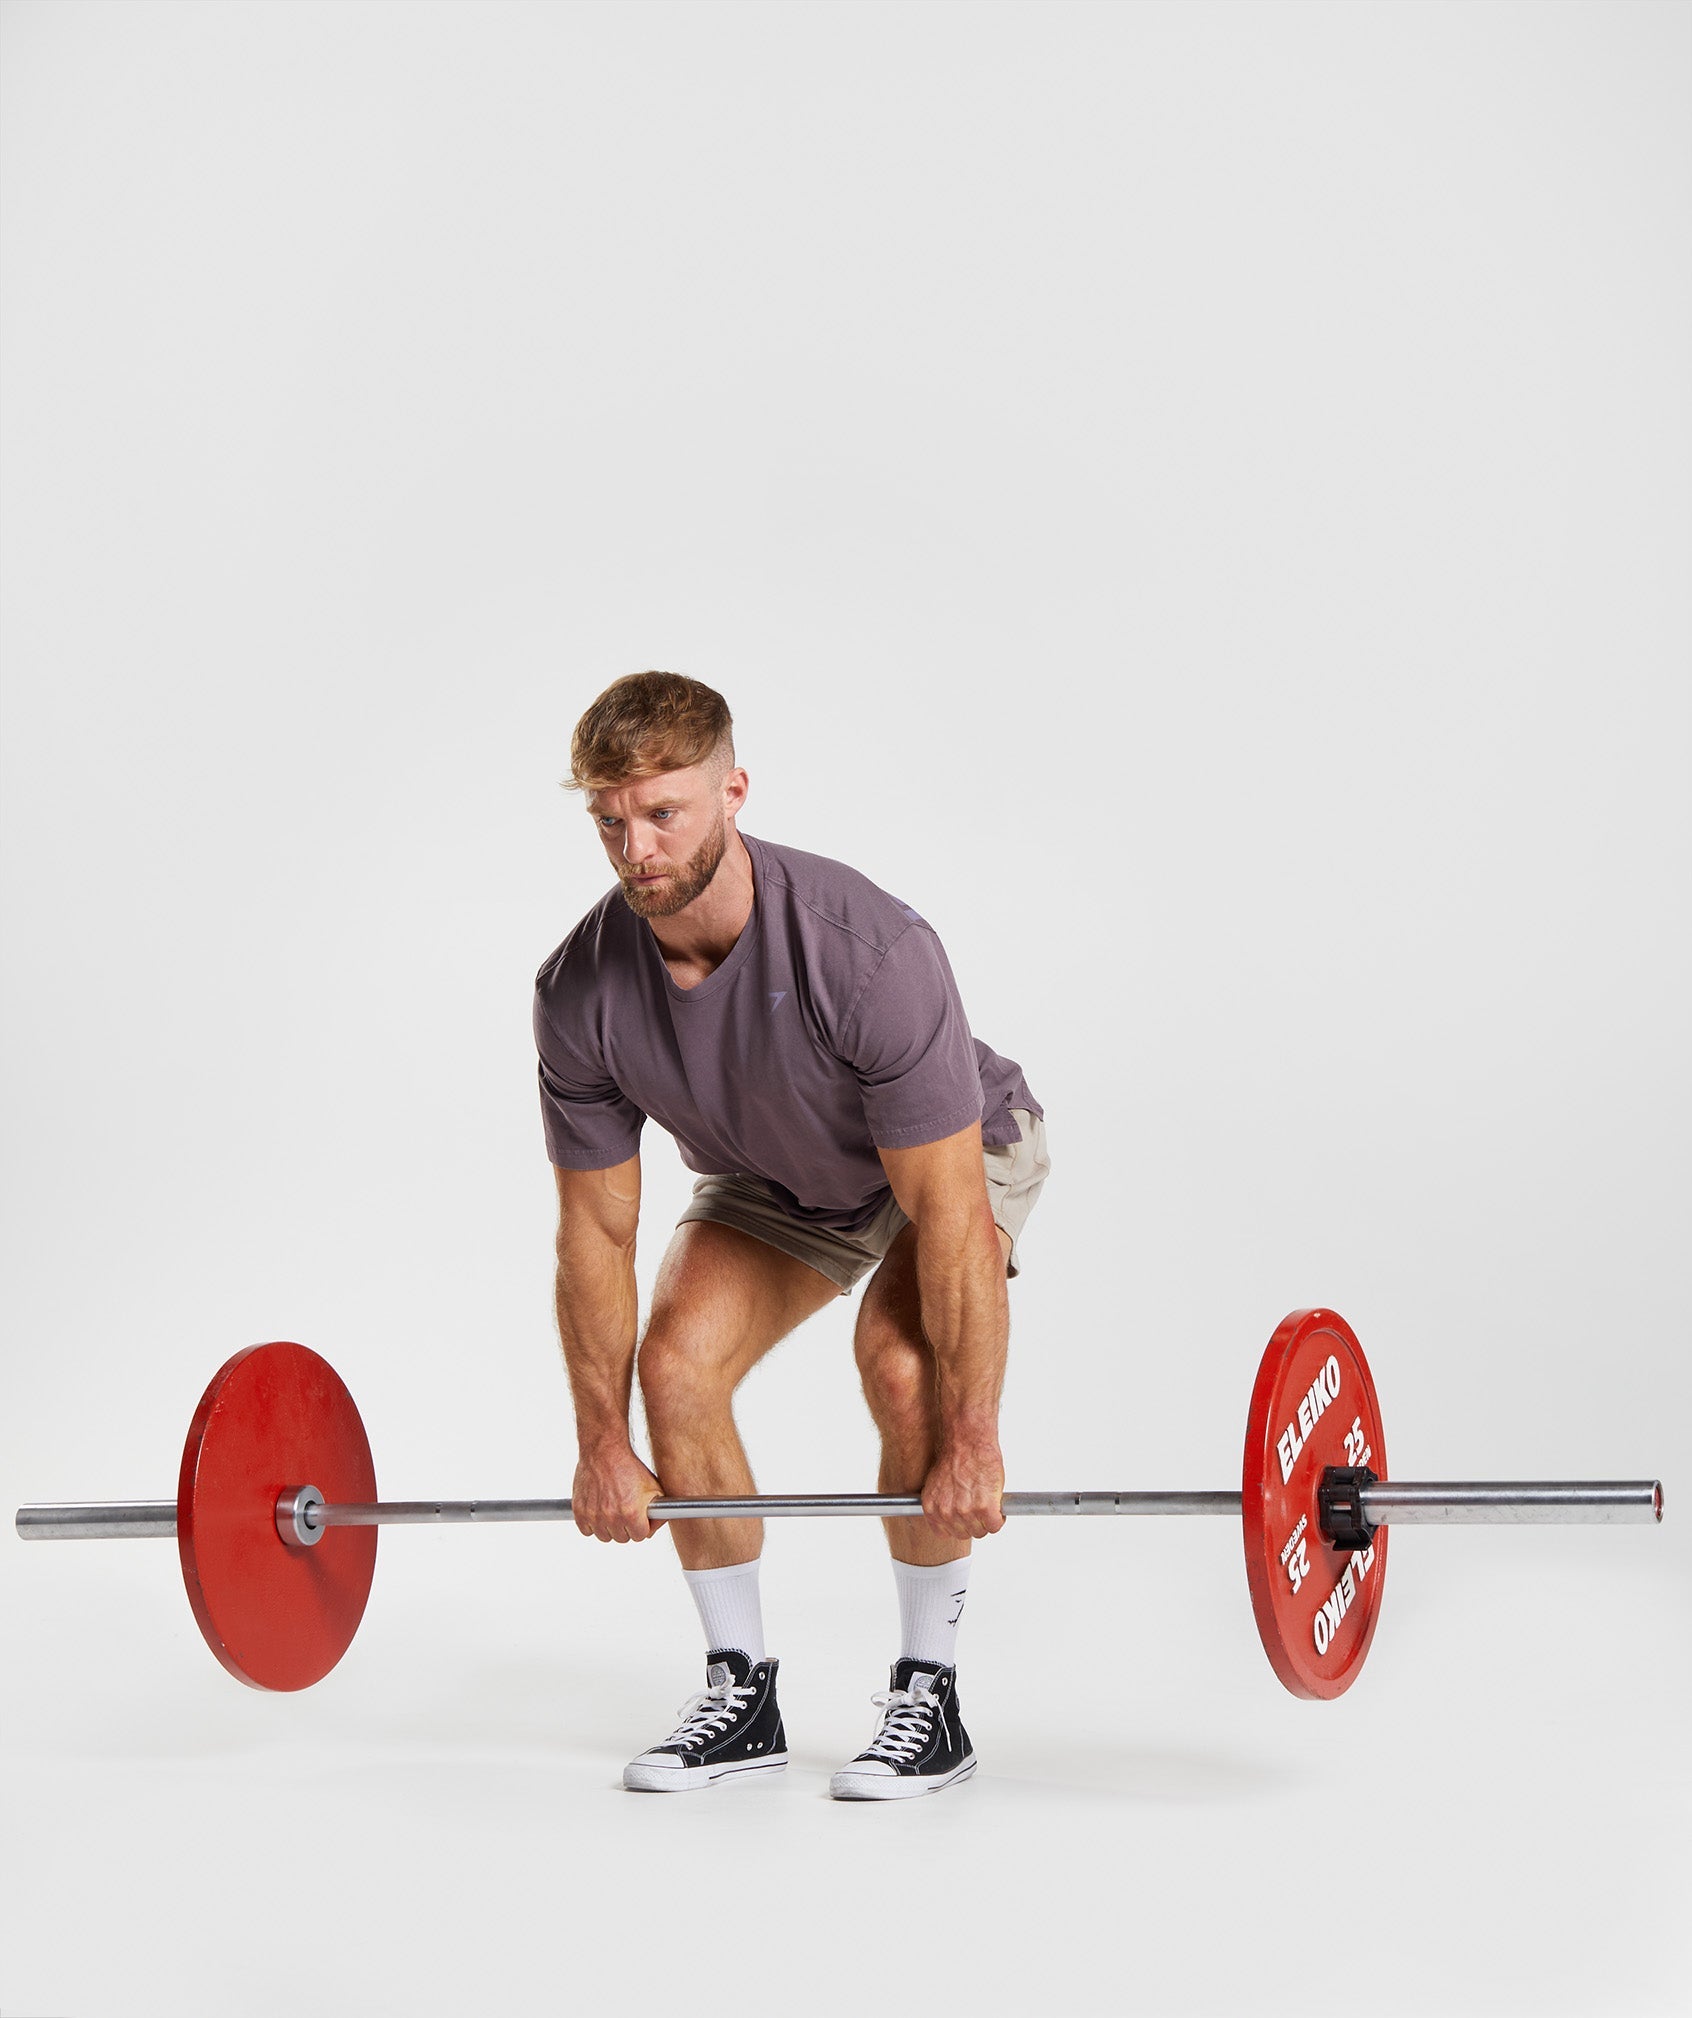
<point>897,1371</point>
<point>682,1377</point>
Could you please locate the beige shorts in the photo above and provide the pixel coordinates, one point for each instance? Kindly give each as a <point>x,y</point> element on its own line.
<point>1015,1173</point>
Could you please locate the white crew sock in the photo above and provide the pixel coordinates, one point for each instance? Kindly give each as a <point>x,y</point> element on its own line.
<point>931,1601</point>
<point>728,1607</point>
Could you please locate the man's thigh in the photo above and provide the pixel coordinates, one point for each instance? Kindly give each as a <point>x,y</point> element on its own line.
<point>751,1206</point>
<point>724,1297</point>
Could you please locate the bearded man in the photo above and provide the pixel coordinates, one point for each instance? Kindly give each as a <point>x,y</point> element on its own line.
<point>798,1031</point>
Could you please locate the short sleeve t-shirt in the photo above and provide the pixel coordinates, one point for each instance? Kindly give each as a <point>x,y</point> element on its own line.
<point>834,1027</point>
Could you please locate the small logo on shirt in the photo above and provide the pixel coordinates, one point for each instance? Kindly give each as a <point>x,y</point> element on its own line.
<point>776,1000</point>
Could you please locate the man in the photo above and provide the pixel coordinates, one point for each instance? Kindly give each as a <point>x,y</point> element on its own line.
<point>798,1031</point>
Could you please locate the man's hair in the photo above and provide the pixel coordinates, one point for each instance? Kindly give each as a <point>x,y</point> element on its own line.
<point>645,724</point>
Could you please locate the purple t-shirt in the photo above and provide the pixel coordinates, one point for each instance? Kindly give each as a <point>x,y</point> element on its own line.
<point>833,1026</point>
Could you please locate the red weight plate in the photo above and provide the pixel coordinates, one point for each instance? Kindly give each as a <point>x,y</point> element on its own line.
<point>277,1617</point>
<point>1314,1405</point>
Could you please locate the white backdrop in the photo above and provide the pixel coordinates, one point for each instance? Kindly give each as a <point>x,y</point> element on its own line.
<point>1194,496</point>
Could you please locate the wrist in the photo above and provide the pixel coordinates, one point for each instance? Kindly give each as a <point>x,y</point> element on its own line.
<point>969,1432</point>
<point>603,1442</point>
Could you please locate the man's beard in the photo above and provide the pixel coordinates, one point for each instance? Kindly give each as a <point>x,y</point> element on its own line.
<point>680,886</point>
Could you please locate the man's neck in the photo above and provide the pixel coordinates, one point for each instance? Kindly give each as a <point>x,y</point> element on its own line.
<point>697,940</point>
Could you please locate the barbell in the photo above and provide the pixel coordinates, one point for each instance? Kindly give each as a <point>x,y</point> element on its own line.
<point>276,1513</point>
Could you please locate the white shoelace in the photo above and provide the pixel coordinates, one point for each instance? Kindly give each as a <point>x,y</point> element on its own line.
<point>904,1727</point>
<point>709,1712</point>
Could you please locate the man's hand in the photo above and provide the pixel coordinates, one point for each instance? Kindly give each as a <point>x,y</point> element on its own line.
<point>611,1494</point>
<point>961,1494</point>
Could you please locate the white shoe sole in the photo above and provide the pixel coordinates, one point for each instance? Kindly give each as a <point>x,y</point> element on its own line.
<point>849,1786</point>
<point>641,1779</point>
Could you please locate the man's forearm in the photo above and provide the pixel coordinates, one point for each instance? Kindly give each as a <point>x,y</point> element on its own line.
<point>596,1304</point>
<point>966,1317</point>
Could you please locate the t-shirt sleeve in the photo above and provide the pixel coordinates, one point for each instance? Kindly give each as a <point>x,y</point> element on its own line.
<point>909,1043</point>
<point>590,1122</point>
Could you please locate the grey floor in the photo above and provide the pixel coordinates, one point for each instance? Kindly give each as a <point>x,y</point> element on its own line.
<point>1494,1820</point>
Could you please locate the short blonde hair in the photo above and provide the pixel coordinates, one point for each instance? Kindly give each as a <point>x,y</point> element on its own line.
<point>646,724</point>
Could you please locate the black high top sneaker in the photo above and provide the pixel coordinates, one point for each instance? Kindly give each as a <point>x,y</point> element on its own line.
<point>732,1726</point>
<point>920,1745</point>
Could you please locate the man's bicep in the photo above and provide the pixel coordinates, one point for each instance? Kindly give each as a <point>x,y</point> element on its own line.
<point>599,1202</point>
<point>938,1178</point>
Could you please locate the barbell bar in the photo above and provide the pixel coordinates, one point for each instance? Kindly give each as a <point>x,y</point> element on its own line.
<point>278,1608</point>
<point>1469,1503</point>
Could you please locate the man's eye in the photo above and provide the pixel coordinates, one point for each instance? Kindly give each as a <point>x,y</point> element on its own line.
<point>663,813</point>
<point>607,820</point>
